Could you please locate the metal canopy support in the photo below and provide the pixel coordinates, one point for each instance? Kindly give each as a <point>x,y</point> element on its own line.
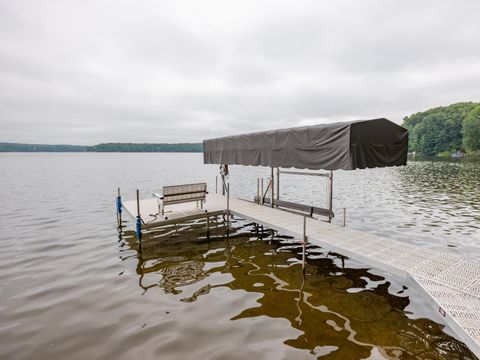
<point>328,185</point>
<point>272,182</point>
<point>278,183</point>
<point>224,176</point>
<point>261,192</point>
<point>330,195</point>
<point>223,184</point>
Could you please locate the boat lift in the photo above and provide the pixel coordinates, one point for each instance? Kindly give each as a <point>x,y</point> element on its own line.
<point>449,282</point>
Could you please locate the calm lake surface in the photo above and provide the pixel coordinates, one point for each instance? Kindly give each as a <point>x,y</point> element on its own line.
<point>72,287</point>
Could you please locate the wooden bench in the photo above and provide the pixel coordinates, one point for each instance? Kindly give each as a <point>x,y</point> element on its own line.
<point>185,193</point>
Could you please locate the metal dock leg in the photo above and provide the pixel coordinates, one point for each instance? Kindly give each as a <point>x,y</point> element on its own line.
<point>304,247</point>
<point>138,223</point>
<point>119,210</point>
<point>208,226</point>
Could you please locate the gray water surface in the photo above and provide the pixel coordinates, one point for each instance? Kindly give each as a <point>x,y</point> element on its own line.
<point>70,287</point>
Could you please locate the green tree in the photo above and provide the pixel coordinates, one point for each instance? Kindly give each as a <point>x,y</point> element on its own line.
<point>471,130</point>
<point>438,129</point>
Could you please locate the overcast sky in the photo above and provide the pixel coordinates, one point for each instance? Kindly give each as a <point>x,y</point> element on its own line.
<point>90,71</point>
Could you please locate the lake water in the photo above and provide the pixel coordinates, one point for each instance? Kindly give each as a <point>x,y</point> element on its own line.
<point>72,287</point>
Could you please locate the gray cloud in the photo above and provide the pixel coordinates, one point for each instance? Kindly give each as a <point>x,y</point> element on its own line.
<point>85,72</point>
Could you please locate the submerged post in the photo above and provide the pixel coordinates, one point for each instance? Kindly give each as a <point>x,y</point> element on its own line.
<point>330,195</point>
<point>119,208</point>
<point>138,222</point>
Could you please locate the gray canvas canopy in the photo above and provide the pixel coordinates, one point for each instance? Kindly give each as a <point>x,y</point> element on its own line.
<point>346,145</point>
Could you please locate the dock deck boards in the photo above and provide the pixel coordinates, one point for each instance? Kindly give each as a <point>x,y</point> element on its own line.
<point>451,282</point>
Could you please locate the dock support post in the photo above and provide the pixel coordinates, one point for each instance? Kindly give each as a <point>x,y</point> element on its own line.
<point>304,243</point>
<point>208,227</point>
<point>216,184</point>
<point>138,222</point>
<point>119,209</point>
<point>258,190</point>
<point>261,191</point>
<point>224,174</point>
<point>344,216</point>
<point>272,185</point>
<point>330,195</point>
<point>228,207</point>
<point>278,183</point>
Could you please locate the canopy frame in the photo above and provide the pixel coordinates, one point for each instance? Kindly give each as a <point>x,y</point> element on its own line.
<point>346,146</point>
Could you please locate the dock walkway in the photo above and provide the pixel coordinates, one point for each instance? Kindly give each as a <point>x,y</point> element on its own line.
<point>450,282</point>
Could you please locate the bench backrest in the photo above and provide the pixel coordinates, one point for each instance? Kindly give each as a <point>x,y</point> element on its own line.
<point>184,193</point>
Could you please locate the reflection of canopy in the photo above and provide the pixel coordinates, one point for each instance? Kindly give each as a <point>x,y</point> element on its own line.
<point>348,146</point>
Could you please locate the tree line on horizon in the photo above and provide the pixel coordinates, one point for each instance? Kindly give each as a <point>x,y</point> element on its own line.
<point>132,147</point>
<point>437,131</point>
<point>445,129</point>
<point>107,147</point>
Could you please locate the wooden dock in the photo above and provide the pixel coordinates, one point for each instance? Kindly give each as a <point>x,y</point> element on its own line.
<point>449,282</point>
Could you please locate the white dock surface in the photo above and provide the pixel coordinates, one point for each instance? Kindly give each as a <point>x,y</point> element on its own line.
<point>149,211</point>
<point>451,282</point>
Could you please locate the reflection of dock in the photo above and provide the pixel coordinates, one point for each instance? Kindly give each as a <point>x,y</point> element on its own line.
<point>253,265</point>
<point>450,282</point>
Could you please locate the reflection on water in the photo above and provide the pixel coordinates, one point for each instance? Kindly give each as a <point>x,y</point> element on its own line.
<point>341,309</point>
<point>443,195</point>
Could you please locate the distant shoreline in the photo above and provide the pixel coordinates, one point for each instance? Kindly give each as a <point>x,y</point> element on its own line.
<point>104,147</point>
